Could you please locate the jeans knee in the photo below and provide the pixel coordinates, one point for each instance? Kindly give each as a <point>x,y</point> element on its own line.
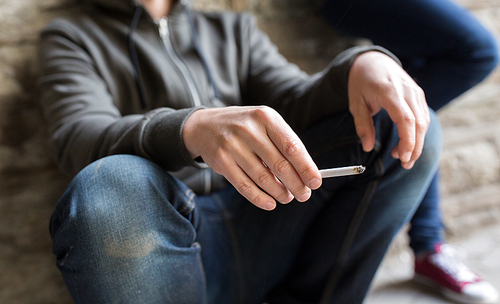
<point>111,182</point>
<point>121,195</point>
<point>480,53</point>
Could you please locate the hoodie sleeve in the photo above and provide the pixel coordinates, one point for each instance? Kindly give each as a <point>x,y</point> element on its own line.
<point>301,99</point>
<point>83,120</point>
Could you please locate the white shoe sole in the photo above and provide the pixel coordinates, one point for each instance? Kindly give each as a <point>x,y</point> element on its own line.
<point>453,295</point>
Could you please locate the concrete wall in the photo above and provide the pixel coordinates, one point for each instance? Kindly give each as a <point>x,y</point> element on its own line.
<point>30,184</point>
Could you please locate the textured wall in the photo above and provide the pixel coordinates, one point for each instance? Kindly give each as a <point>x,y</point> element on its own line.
<point>30,184</point>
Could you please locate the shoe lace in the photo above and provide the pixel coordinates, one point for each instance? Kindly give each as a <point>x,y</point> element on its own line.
<point>451,260</point>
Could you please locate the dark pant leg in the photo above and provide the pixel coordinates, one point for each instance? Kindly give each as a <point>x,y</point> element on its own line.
<point>442,46</point>
<point>426,226</point>
<point>359,215</point>
<point>125,232</point>
<point>440,43</point>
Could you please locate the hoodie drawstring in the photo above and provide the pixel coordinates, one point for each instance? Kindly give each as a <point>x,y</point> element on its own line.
<point>133,55</point>
<point>197,47</point>
<point>135,59</point>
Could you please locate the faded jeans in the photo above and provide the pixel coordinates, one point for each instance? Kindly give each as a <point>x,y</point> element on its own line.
<point>126,231</point>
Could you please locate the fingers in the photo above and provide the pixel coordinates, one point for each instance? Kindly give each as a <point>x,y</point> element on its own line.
<point>290,146</point>
<point>412,118</point>
<point>257,152</point>
<point>364,123</point>
<point>376,81</point>
<point>287,157</point>
<point>264,178</point>
<point>248,188</point>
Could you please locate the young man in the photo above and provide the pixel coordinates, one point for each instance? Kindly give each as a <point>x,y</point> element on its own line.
<point>185,128</point>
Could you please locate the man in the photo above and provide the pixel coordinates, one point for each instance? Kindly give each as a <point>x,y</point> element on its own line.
<point>183,129</point>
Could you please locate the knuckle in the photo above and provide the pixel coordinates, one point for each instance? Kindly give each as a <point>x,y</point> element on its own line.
<point>263,112</point>
<point>386,87</point>
<point>245,188</point>
<point>408,118</point>
<point>264,178</point>
<point>421,125</point>
<point>307,170</point>
<point>292,147</point>
<point>282,166</point>
<point>420,92</point>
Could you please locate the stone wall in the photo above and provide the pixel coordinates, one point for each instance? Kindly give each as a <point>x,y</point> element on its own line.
<point>30,184</point>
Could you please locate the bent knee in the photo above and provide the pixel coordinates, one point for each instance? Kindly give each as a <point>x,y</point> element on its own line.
<point>480,52</point>
<point>113,191</point>
<point>117,168</point>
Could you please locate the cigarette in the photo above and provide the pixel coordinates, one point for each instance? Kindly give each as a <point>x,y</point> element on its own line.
<point>342,171</point>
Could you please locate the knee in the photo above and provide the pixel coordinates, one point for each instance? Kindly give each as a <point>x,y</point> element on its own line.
<point>112,182</point>
<point>122,206</point>
<point>115,193</point>
<point>479,52</point>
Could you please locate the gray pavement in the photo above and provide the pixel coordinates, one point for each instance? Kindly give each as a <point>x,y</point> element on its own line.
<point>393,285</point>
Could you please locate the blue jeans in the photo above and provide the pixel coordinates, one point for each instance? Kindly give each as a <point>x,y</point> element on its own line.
<point>442,46</point>
<point>126,231</point>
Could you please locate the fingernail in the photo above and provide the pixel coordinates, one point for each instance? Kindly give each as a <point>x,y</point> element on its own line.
<point>363,143</point>
<point>409,165</point>
<point>315,183</point>
<point>304,197</point>
<point>269,206</point>
<point>288,199</point>
<point>406,157</point>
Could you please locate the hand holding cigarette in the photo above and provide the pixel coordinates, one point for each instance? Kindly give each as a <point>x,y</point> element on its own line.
<point>342,171</point>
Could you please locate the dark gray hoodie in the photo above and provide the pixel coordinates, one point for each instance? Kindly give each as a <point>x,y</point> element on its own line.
<point>115,81</point>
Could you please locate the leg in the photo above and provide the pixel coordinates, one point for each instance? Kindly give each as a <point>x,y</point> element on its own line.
<point>118,220</point>
<point>359,216</point>
<point>440,44</point>
<point>426,226</point>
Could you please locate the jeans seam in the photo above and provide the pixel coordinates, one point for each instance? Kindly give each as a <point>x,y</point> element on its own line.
<point>189,207</point>
<point>351,235</point>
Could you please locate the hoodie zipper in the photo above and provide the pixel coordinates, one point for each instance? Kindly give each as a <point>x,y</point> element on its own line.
<point>181,66</point>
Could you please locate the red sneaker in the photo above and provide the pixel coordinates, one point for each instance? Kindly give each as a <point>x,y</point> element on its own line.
<point>445,269</point>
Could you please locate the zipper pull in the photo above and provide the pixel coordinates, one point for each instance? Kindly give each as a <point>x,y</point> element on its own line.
<point>163,27</point>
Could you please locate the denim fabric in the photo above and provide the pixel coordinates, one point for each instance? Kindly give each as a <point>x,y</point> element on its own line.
<point>441,45</point>
<point>126,231</point>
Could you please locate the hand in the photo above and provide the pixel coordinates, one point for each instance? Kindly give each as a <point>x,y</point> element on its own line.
<point>376,81</point>
<point>257,152</point>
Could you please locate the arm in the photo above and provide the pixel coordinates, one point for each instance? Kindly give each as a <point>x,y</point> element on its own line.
<point>83,114</point>
<point>361,79</point>
<point>258,152</point>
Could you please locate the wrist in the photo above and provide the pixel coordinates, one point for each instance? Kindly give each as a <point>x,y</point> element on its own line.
<point>189,133</point>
